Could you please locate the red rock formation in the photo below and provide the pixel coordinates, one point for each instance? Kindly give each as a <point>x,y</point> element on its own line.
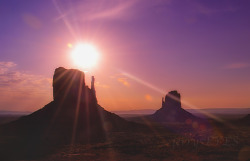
<point>72,117</point>
<point>171,110</point>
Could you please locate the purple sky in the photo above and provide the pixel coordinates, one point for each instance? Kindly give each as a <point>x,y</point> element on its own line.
<point>148,47</point>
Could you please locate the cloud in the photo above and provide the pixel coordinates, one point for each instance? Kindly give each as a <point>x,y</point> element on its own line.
<point>7,64</point>
<point>76,13</point>
<point>90,10</point>
<point>121,78</point>
<point>22,91</point>
<point>114,10</point>
<point>4,66</point>
<point>123,81</point>
<point>237,66</point>
<point>98,84</point>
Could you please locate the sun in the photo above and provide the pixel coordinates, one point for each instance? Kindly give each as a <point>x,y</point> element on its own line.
<point>85,56</point>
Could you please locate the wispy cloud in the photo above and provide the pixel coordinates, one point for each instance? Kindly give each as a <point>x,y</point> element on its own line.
<point>237,66</point>
<point>111,10</point>
<point>98,84</point>
<point>74,14</point>
<point>20,90</point>
<point>123,81</point>
<point>4,66</point>
<point>90,10</point>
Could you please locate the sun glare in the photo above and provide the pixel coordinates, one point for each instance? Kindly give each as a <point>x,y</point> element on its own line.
<point>85,56</point>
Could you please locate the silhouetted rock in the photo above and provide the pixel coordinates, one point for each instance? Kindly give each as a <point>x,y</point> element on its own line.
<point>74,116</point>
<point>171,110</point>
<point>172,100</point>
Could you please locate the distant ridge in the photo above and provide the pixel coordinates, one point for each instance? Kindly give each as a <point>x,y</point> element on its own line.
<point>221,110</point>
<point>193,111</point>
<point>142,112</point>
<point>3,112</point>
<point>151,111</point>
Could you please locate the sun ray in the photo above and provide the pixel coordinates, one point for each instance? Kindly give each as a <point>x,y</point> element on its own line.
<point>63,16</point>
<point>79,99</point>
